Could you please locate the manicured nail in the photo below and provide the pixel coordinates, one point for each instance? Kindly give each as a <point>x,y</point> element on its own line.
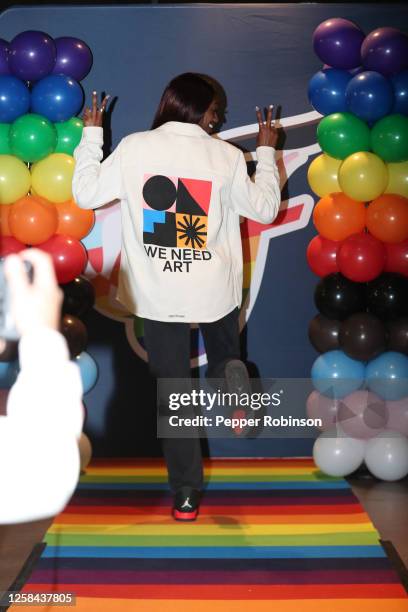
<point>271,106</point>
<point>94,93</point>
<point>257,108</point>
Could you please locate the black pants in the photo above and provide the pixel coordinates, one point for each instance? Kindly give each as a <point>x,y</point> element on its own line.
<point>168,348</point>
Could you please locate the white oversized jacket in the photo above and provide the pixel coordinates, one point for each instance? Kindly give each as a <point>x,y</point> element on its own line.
<point>39,456</point>
<point>182,194</point>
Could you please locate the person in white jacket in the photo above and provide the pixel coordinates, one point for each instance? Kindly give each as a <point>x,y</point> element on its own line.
<point>39,456</point>
<point>182,194</point>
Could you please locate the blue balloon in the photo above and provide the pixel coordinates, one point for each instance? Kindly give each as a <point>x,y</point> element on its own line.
<point>8,373</point>
<point>327,90</point>
<point>400,85</point>
<point>14,98</point>
<point>370,96</point>
<point>57,97</point>
<point>88,370</point>
<point>334,374</point>
<point>387,375</point>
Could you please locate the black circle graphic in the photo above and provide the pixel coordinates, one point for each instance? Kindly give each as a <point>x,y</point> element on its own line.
<point>159,192</point>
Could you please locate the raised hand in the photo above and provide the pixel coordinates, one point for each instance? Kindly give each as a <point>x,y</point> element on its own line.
<point>268,133</point>
<point>94,116</point>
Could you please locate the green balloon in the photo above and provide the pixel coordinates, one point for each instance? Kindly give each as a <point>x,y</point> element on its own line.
<point>342,134</point>
<point>4,139</point>
<point>389,138</point>
<point>69,134</point>
<point>32,137</point>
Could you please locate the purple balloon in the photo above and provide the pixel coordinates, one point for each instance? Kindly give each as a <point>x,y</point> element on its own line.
<point>398,415</point>
<point>32,55</point>
<point>4,57</point>
<point>362,414</point>
<point>338,42</point>
<point>319,406</point>
<point>385,50</point>
<point>74,57</point>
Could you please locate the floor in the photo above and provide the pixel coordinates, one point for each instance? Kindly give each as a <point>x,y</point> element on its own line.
<point>385,502</point>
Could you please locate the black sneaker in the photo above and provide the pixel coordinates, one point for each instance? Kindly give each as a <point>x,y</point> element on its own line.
<point>186,504</point>
<point>237,381</point>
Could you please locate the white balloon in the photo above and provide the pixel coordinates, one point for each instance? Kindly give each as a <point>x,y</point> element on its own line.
<point>336,454</point>
<point>386,455</point>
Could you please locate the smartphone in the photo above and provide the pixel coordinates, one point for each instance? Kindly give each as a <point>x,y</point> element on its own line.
<point>8,329</point>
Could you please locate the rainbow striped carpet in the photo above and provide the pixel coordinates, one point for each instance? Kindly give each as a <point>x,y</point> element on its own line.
<point>272,534</point>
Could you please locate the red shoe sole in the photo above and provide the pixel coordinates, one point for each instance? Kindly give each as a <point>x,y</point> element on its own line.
<point>185,516</point>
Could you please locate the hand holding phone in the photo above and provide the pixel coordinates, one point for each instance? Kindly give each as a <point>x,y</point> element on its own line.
<point>30,295</point>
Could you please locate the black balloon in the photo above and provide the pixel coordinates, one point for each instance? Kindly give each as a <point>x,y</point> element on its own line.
<point>75,334</point>
<point>398,335</point>
<point>363,336</point>
<point>336,297</point>
<point>10,351</point>
<point>79,296</point>
<point>387,296</point>
<point>324,333</point>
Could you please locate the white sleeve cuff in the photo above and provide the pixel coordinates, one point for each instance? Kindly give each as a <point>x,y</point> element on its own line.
<point>266,154</point>
<point>93,134</point>
<point>52,344</point>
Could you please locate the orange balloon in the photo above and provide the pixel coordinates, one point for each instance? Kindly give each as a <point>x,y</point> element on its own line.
<point>74,221</point>
<point>4,223</point>
<point>387,218</point>
<point>32,221</point>
<point>336,216</point>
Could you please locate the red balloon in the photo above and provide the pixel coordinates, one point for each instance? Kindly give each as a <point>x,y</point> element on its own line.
<point>321,256</point>
<point>9,245</point>
<point>397,257</point>
<point>68,254</point>
<point>361,257</point>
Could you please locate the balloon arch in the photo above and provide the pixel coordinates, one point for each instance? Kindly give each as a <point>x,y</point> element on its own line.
<point>40,97</point>
<point>361,250</point>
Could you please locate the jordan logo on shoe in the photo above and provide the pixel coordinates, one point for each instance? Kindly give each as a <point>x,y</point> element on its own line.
<point>187,504</point>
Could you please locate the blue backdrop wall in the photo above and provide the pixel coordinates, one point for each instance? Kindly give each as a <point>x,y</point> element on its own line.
<point>261,54</point>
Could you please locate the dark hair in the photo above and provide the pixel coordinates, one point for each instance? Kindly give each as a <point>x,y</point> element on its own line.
<point>186,99</point>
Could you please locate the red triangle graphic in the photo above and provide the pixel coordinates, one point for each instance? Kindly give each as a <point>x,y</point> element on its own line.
<point>200,191</point>
<point>95,257</point>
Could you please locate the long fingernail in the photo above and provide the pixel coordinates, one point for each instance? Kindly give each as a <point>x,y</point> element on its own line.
<point>257,108</point>
<point>271,106</point>
<point>94,93</point>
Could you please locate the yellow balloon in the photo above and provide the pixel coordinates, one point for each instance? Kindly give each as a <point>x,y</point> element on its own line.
<point>52,177</point>
<point>363,176</point>
<point>15,179</point>
<point>322,175</point>
<point>398,179</point>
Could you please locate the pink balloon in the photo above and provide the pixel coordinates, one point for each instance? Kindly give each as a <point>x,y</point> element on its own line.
<point>398,415</point>
<point>362,414</point>
<point>319,406</point>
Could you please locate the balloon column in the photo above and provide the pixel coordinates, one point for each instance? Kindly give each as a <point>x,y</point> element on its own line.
<point>40,96</point>
<point>361,250</point>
